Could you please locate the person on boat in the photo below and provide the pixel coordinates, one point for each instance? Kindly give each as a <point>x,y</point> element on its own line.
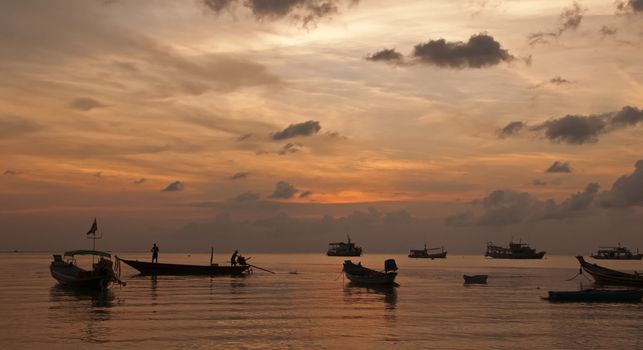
<point>233,258</point>
<point>241,260</point>
<point>155,253</point>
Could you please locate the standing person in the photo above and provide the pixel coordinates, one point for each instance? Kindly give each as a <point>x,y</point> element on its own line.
<point>155,254</point>
<point>233,258</point>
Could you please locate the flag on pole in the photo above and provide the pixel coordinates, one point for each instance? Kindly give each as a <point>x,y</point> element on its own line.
<point>94,228</point>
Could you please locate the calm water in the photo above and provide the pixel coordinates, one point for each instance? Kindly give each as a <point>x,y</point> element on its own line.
<point>315,307</point>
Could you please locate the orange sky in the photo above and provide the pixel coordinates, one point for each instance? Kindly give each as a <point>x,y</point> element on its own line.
<point>171,114</point>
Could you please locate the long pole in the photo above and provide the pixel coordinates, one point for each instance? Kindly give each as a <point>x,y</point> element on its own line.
<point>262,269</point>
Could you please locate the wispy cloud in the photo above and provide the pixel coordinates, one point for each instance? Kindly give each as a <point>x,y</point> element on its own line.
<point>570,19</point>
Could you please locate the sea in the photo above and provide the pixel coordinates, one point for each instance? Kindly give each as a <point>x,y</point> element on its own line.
<point>309,304</point>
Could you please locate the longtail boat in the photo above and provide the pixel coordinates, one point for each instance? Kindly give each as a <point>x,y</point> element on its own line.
<point>597,295</point>
<point>358,274</point>
<point>149,268</point>
<point>603,275</point>
<point>64,268</point>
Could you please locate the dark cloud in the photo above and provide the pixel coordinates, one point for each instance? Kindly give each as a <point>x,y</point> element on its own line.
<point>174,187</point>
<point>284,190</point>
<point>11,172</point>
<point>576,203</point>
<point>11,126</point>
<point>632,5</point>
<point>307,12</point>
<point>386,55</point>
<point>85,104</point>
<point>482,50</point>
<point>98,174</point>
<point>570,19</point>
<point>508,207</point>
<point>578,129</point>
<point>301,129</point>
<point>140,181</point>
<point>628,116</point>
<point>538,182</point>
<point>559,81</point>
<point>244,137</point>
<point>290,148</point>
<point>559,167</point>
<point>573,129</point>
<point>239,176</point>
<point>305,194</point>
<point>626,191</point>
<point>511,129</point>
<point>247,197</point>
<point>608,31</point>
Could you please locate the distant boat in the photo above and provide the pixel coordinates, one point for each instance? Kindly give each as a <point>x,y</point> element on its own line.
<point>358,274</point>
<point>149,268</point>
<point>65,270</point>
<point>597,295</point>
<point>424,253</point>
<point>616,253</point>
<point>603,275</point>
<point>475,279</point>
<point>514,251</point>
<point>343,249</point>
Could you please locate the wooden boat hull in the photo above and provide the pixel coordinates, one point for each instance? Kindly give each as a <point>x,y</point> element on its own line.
<point>475,279</point>
<point>68,276</point>
<point>358,274</point>
<point>148,268</point>
<point>381,280</point>
<point>597,295</point>
<point>605,276</point>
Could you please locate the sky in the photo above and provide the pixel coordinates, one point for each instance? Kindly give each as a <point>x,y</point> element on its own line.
<point>279,126</point>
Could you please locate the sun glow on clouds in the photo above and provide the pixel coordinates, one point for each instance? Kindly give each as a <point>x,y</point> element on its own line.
<point>169,91</point>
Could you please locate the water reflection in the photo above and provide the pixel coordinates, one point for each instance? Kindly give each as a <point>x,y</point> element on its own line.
<point>357,293</point>
<point>237,286</point>
<point>81,313</point>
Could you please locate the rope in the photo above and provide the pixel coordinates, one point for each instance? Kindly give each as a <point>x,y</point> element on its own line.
<point>580,273</point>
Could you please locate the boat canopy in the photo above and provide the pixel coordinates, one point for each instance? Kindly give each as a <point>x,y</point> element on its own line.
<point>87,252</point>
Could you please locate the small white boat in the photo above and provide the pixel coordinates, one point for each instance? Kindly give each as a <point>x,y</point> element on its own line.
<point>358,274</point>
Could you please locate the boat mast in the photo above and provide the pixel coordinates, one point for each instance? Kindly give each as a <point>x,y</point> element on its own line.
<point>92,231</point>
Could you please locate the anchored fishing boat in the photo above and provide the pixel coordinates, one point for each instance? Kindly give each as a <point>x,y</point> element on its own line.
<point>343,249</point>
<point>597,295</point>
<point>603,275</point>
<point>66,271</point>
<point>425,254</point>
<point>616,253</point>
<point>358,274</point>
<point>514,251</point>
